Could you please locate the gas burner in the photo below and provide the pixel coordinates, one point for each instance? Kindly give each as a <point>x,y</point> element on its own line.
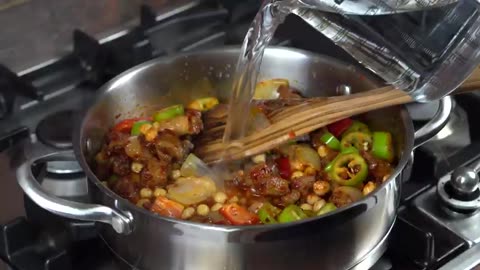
<point>460,191</point>
<point>63,167</point>
<point>56,129</point>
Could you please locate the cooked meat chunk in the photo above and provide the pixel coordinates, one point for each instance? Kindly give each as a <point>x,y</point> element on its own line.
<point>273,186</point>
<point>303,184</point>
<point>195,122</point>
<point>125,188</point>
<point>120,164</point>
<point>154,174</point>
<point>216,116</point>
<point>290,198</point>
<point>377,168</point>
<point>168,146</point>
<point>190,123</point>
<point>266,182</point>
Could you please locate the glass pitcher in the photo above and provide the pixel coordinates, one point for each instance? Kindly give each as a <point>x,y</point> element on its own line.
<point>425,47</point>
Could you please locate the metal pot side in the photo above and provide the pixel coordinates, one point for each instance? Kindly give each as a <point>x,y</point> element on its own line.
<point>337,241</point>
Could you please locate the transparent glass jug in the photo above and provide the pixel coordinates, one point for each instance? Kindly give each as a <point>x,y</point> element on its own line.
<point>425,47</point>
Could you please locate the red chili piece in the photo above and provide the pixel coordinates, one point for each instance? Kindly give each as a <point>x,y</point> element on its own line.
<point>339,127</point>
<point>284,167</point>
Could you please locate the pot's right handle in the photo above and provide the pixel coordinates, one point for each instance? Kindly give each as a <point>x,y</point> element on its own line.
<point>121,222</point>
<point>436,124</point>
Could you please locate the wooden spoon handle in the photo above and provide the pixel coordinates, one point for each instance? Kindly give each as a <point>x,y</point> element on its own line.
<point>311,114</point>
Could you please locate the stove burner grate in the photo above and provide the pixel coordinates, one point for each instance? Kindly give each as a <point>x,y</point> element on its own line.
<point>56,129</point>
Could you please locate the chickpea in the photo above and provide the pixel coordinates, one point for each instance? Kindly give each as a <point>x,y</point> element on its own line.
<point>306,207</point>
<point>176,174</point>
<point>321,187</point>
<point>203,210</point>
<point>296,174</point>
<point>385,177</point>
<point>188,212</point>
<point>369,187</point>
<point>318,205</point>
<point>136,167</point>
<point>259,158</point>
<point>220,197</point>
<point>312,199</point>
<point>159,192</point>
<point>216,207</point>
<point>233,199</point>
<point>310,171</point>
<point>322,151</point>
<point>146,193</point>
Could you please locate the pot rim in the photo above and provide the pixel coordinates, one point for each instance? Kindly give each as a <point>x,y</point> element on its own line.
<point>369,200</point>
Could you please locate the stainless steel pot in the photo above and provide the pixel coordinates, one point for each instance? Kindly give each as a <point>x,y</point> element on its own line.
<point>352,237</point>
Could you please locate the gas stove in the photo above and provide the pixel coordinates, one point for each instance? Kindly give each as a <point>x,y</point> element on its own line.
<point>41,104</point>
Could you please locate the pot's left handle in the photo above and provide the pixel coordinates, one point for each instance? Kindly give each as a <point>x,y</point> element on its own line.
<point>121,222</point>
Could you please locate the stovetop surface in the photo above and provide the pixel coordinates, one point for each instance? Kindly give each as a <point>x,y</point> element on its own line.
<point>32,238</point>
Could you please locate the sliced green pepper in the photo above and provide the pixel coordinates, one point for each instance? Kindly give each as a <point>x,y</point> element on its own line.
<point>347,150</point>
<point>330,140</point>
<point>328,207</point>
<point>291,213</point>
<point>136,127</point>
<point>360,140</point>
<point>382,146</point>
<point>168,113</point>
<point>267,213</point>
<point>349,170</point>
<point>357,126</point>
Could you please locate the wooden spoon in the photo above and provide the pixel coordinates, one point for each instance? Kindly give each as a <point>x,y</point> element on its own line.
<point>296,117</point>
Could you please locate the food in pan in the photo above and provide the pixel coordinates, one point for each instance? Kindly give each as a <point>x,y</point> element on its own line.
<point>150,162</point>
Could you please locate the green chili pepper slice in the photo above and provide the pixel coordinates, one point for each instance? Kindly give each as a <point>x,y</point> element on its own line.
<point>359,140</point>
<point>169,113</point>
<point>349,170</point>
<point>330,140</point>
<point>291,213</point>
<point>383,146</point>
<point>328,207</point>
<point>347,150</point>
<point>267,213</point>
<point>136,127</point>
<point>357,126</point>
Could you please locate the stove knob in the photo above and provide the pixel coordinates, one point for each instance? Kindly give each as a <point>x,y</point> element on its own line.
<point>464,180</point>
<point>461,192</point>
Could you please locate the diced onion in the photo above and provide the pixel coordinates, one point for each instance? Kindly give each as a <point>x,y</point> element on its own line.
<point>191,190</point>
<point>193,166</point>
<point>269,89</point>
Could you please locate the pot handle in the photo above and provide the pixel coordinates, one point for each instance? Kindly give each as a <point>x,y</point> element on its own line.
<point>436,124</point>
<point>122,222</point>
